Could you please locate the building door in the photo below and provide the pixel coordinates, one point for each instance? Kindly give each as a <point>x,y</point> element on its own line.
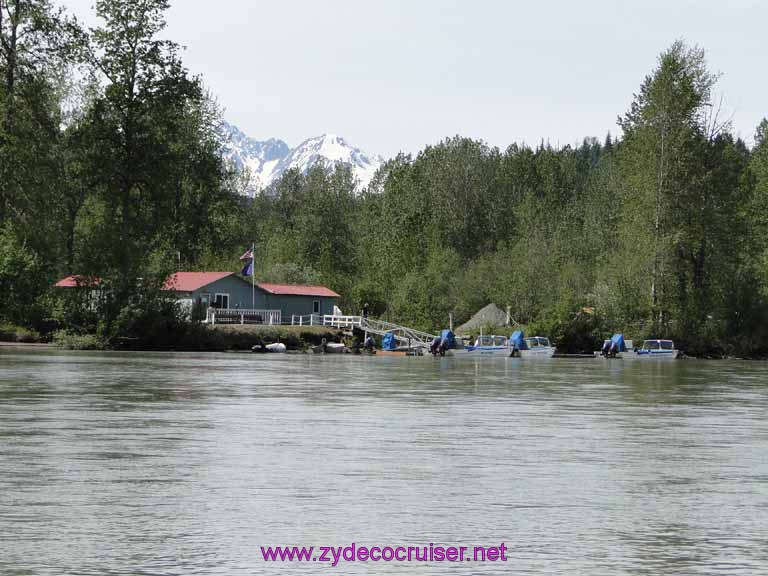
<point>316,307</point>
<point>222,301</point>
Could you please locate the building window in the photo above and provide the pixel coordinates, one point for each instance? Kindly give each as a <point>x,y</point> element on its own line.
<point>316,307</point>
<point>221,301</point>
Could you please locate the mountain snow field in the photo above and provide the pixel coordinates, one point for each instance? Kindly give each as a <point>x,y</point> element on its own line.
<point>267,160</point>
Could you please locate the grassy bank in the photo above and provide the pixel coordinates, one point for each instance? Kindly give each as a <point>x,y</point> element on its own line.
<point>202,337</point>
<point>243,337</point>
<point>19,334</point>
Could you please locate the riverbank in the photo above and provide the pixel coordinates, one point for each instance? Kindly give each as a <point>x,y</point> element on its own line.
<point>184,336</point>
<point>13,334</point>
<point>245,336</point>
<point>26,345</point>
<point>207,338</point>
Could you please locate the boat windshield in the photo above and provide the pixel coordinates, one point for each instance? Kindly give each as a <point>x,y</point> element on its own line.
<point>667,345</point>
<point>651,345</point>
<point>537,342</point>
<point>491,341</point>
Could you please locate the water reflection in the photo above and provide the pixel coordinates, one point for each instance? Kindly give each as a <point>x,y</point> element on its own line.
<point>187,463</point>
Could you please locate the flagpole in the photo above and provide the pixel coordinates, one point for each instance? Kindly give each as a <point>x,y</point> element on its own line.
<point>253,275</point>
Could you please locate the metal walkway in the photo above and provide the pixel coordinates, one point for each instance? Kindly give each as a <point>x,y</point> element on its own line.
<point>409,336</point>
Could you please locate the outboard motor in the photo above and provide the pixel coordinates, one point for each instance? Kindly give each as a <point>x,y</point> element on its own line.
<point>368,344</point>
<point>444,346</point>
<point>517,342</point>
<point>605,350</point>
<point>434,348</point>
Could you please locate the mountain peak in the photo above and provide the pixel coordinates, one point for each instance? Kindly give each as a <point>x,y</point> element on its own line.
<point>267,160</point>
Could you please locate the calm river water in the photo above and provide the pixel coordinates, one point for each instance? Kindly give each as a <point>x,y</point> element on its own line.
<point>189,463</point>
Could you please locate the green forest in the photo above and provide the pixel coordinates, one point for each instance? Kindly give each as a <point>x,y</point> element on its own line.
<point>111,166</point>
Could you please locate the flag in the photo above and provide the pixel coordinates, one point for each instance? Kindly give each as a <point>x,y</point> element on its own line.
<point>248,255</point>
<point>247,269</point>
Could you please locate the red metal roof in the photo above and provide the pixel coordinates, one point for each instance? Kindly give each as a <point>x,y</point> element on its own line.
<point>191,281</point>
<point>76,280</point>
<point>297,290</point>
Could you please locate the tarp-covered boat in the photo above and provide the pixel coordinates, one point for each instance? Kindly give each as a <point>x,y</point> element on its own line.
<point>532,347</point>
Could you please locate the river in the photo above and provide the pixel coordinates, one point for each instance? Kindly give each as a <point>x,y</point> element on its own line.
<point>149,464</point>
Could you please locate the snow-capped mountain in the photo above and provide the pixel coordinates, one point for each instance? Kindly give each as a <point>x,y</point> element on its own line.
<point>267,160</point>
<point>259,158</point>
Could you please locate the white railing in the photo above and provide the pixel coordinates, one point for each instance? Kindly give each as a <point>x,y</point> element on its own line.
<point>306,320</point>
<point>341,321</point>
<point>331,320</point>
<point>242,316</point>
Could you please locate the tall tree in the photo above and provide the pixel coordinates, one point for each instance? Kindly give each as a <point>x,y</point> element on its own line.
<point>759,206</point>
<point>37,40</point>
<point>145,129</point>
<point>665,136</point>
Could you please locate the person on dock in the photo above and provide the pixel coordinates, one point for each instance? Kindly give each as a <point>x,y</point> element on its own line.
<point>365,310</point>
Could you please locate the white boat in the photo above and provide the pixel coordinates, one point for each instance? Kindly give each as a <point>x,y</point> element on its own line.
<point>276,347</point>
<point>329,348</point>
<point>656,349</point>
<point>486,346</point>
<point>516,346</point>
<point>536,347</point>
<point>532,347</point>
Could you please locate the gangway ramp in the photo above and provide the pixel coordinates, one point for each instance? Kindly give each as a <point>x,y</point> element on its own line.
<point>403,334</point>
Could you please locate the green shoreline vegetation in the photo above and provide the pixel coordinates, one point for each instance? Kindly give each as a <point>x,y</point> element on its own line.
<point>111,167</point>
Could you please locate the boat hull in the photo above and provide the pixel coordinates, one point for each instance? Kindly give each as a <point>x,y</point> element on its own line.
<point>543,352</point>
<point>474,351</point>
<point>651,355</point>
<point>329,349</point>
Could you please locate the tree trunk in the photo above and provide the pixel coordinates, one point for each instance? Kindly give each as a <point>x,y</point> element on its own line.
<point>11,61</point>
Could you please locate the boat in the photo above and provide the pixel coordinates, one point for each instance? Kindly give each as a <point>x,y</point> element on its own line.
<point>390,347</point>
<point>329,348</point>
<point>489,345</point>
<point>404,351</point>
<point>275,347</point>
<point>532,347</point>
<point>655,348</point>
<point>517,346</point>
<point>537,347</point>
<point>615,347</point>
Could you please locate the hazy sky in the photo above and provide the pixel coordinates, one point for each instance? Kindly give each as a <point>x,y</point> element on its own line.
<point>392,75</point>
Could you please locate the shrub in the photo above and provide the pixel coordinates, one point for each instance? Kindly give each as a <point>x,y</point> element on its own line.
<point>73,341</point>
<point>12,333</point>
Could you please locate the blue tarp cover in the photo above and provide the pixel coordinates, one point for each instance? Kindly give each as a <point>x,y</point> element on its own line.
<point>517,340</point>
<point>618,339</point>
<point>450,337</point>
<point>388,342</point>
